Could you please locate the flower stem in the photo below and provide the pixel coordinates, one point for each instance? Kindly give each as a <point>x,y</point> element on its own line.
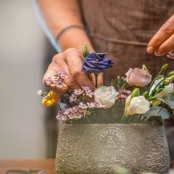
<point>170,96</point>
<point>164,103</point>
<point>88,119</point>
<point>96,76</point>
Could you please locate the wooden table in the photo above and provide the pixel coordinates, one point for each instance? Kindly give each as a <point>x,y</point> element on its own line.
<point>47,165</point>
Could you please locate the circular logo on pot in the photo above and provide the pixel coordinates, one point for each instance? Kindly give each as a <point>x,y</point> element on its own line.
<point>111,141</point>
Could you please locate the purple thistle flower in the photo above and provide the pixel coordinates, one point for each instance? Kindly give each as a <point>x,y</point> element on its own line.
<point>96,63</point>
<point>73,97</point>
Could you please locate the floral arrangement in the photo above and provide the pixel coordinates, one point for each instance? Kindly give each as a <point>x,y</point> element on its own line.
<point>135,98</point>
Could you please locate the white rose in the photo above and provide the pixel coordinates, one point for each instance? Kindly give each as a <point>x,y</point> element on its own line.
<point>105,96</point>
<point>167,89</point>
<point>138,105</point>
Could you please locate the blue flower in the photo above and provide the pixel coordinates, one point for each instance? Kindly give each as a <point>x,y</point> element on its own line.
<point>96,63</point>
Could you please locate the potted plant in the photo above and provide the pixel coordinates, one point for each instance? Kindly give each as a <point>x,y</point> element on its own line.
<point>120,128</point>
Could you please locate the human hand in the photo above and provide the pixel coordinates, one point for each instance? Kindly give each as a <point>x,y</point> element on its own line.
<point>70,61</point>
<point>163,41</point>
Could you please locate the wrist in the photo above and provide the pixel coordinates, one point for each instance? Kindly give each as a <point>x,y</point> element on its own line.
<point>74,38</point>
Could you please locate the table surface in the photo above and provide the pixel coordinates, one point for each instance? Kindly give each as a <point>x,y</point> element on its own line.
<point>47,165</point>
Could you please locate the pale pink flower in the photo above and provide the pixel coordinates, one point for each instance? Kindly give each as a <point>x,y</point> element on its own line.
<point>71,116</point>
<point>66,112</point>
<point>64,118</point>
<point>73,97</point>
<point>78,115</point>
<point>82,105</point>
<point>54,78</point>
<point>60,117</point>
<point>58,73</point>
<point>64,75</point>
<point>138,77</point>
<point>60,83</point>
<point>89,93</point>
<point>74,109</point>
<point>85,88</point>
<point>78,91</point>
<point>91,105</point>
<point>96,104</point>
<point>48,81</point>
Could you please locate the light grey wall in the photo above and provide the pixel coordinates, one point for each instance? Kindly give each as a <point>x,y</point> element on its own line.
<point>22,49</point>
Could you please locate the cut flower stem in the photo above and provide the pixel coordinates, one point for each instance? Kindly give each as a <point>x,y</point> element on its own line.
<point>96,76</point>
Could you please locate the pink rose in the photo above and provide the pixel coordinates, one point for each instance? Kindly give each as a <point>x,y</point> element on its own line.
<point>138,77</point>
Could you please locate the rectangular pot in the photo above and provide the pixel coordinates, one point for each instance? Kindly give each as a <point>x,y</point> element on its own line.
<point>99,148</point>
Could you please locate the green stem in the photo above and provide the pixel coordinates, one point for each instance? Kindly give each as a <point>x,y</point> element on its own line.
<point>165,104</point>
<point>96,75</point>
<point>123,119</point>
<point>130,118</point>
<point>170,96</point>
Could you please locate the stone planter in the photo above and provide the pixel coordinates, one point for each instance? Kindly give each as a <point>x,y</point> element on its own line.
<point>99,148</point>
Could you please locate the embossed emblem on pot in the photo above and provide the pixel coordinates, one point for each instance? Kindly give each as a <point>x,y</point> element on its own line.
<point>111,142</point>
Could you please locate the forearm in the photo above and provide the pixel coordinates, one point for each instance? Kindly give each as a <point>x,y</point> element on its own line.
<point>59,14</point>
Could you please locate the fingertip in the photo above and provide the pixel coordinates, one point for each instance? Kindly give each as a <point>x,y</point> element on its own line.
<point>150,49</point>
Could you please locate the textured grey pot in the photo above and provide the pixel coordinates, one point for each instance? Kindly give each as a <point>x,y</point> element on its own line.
<point>99,148</point>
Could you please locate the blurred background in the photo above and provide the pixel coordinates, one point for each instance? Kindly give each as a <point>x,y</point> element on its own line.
<point>27,129</point>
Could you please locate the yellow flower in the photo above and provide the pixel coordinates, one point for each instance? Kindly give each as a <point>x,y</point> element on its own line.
<point>50,99</point>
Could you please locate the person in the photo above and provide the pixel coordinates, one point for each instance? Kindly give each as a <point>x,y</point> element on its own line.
<point>131,32</point>
<point>122,29</point>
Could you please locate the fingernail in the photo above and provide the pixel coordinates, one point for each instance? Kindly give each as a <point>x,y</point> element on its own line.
<point>150,49</point>
<point>170,55</point>
<point>157,53</point>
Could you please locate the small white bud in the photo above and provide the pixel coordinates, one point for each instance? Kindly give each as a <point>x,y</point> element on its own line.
<point>39,92</point>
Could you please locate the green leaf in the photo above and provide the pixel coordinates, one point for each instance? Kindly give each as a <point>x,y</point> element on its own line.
<point>171,104</point>
<point>153,111</point>
<point>162,99</point>
<point>167,96</point>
